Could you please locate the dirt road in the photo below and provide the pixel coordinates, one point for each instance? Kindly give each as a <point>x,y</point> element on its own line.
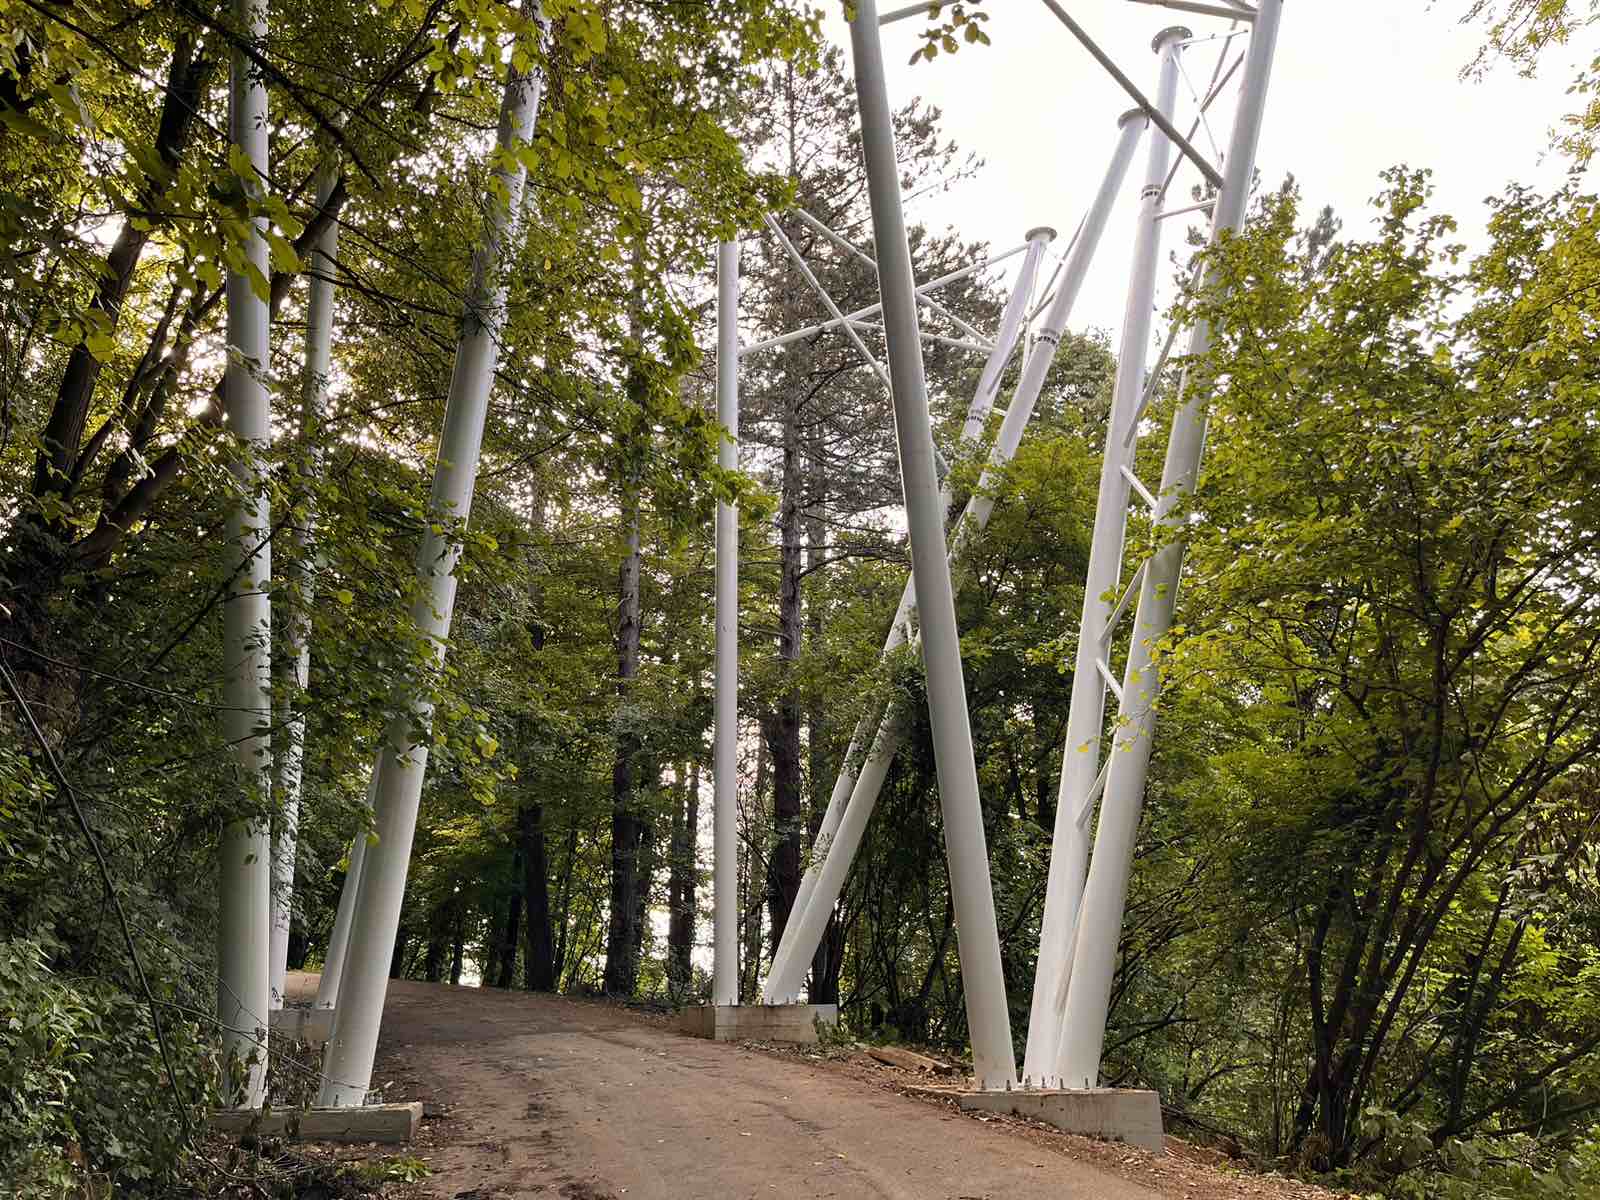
<point>552,1098</point>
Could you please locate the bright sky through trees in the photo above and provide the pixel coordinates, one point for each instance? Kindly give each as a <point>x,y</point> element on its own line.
<point>1359,86</point>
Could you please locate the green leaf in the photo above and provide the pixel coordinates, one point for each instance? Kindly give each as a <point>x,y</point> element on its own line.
<point>100,343</point>
<point>20,122</point>
<point>260,286</point>
<point>282,254</point>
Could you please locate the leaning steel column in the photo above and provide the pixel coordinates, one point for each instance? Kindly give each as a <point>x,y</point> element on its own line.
<point>339,939</point>
<point>403,760</point>
<point>977,936</point>
<point>784,985</point>
<point>1105,892</point>
<point>244,911</point>
<point>1011,320</point>
<point>1080,760</point>
<point>725,798</point>
<point>349,896</point>
<point>297,640</point>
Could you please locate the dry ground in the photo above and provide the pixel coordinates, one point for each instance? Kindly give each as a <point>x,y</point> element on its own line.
<point>539,1096</point>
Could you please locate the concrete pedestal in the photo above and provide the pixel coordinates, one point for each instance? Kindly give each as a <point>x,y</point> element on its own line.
<point>1112,1114</point>
<point>388,1123</point>
<point>313,1025</point>
<point>757,1022</point>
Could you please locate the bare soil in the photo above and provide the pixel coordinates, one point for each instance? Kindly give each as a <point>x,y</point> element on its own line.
<point>540,1096</point>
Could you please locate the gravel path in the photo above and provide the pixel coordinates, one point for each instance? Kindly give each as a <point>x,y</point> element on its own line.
<point>538,1096</point>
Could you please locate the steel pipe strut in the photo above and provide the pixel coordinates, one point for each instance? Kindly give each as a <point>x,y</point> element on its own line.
<point>725,751</point>
<point>349,897</point>
<point>933,285</point>
<point>977,934</point>
<point>862,256</point>
<point>339,939</point>
<point>844,322</point>
<point>1106,887</point>
<point>1213,176</point>
<point>784,984</point>
<point>244,991</point>
<point>297,641</point>
<point>1011,321</point>
<point>937,339</point>
<point>403,760</point>
<point>1205,10</point>
<point>1080,759</point>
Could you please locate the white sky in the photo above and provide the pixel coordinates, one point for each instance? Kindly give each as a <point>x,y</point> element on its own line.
<point>1358,85</point>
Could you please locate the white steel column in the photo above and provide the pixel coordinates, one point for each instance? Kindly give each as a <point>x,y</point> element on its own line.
<point>313,399</point>
<point>402,762</point>
<point>349,898</point>
<point>784,986</point>
<point>244,914</point>
<point>725,751</point>
<point>1106,889</point>
<point>977,935</point>
<point>1081,759</point>
<point>339,939</point>
<point>1011,321</point>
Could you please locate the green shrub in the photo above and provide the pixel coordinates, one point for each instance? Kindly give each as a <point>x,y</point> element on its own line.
<point>86,1107</point>
<point>85,1103</point>
<point>1488,1167</point>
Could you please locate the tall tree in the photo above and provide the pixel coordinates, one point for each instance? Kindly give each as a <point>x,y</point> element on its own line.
<point>1400,622</point>
<point>627,822</point>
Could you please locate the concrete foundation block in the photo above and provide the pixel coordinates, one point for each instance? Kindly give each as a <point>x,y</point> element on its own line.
<point>757,1022</point>
<point>1112,1114</point>
<point>392,1124</point>
<point>313,1025</point>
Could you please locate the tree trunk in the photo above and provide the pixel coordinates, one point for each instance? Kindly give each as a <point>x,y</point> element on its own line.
<point>541,960</point>
<point>563,917</point>
<point>827,963</point>
<point>491,954</point>
<point>641,931</point>
<point>539,966</point>
<point>754,881</point>
<point>506,958</point>
<point>458,942</point>
<point>433,964</point>
<point>1044,805</point>
<point>783,876</point>
<point>58,468</point>
<point>681,888</point>
<point>622,965</point>
<point>782,726</point>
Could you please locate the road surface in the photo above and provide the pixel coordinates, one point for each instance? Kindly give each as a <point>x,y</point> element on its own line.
<point>553,1098</point>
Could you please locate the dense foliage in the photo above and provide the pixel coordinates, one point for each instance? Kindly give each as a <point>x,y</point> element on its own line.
<point>1362,936</point>
<point>1390,658</point>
